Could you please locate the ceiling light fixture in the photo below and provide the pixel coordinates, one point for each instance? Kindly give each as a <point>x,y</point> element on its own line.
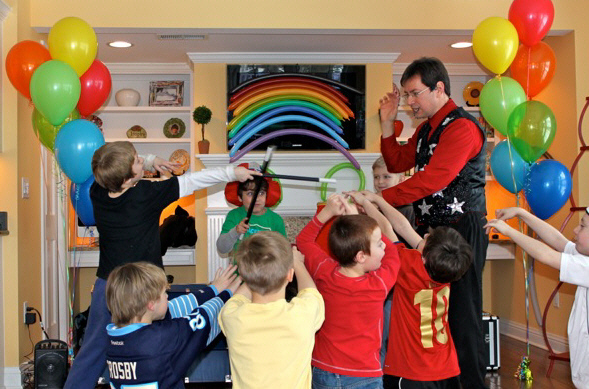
<point>120,44</point>
<point>461,45</point>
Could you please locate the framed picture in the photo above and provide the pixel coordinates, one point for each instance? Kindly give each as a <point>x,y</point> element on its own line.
<point>166,93</point>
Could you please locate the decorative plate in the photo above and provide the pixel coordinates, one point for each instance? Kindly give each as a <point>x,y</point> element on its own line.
<point>136,132</point>
<point>471,93</point>
<point>96,120</point>
<point>183,158</point>
<point>174,128</point>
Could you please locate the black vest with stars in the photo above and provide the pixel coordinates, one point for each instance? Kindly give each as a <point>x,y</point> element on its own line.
<point>466,193</point>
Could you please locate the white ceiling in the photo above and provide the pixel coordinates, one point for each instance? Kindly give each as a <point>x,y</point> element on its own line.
<point>409,45</point>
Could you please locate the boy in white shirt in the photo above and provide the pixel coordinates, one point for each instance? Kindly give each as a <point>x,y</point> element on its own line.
<point>572,259</point>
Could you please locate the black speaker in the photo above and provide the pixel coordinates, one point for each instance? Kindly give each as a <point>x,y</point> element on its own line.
<point>51,365</point>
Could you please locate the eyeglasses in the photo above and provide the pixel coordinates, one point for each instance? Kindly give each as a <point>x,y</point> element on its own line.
<point>413,94</point>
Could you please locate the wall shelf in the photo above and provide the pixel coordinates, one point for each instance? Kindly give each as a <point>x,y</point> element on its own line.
<point>88,257</point>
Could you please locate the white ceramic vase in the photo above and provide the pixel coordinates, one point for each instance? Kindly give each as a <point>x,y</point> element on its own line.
<point>127,98</point>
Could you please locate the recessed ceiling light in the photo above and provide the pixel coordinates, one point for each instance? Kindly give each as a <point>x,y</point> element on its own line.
<point>120,44</point>
<point>461,45</point>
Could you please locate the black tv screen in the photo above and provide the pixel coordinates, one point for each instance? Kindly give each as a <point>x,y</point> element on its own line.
<point>267,100</point>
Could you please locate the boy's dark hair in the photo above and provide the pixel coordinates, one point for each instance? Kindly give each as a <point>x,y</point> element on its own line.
<point>112,165</point>
<point>350,234</point>
<point>431,70</point>
<point>264,260</point>
<point>250,185</point>
<point>447,255</point>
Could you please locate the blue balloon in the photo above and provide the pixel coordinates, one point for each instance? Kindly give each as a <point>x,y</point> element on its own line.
<point>507,168</point>
<point>80,197</point>
<point>548,187</point>
<point>75,145</point>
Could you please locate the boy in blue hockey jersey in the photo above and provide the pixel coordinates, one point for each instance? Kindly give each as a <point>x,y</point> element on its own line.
<point>145,350</point>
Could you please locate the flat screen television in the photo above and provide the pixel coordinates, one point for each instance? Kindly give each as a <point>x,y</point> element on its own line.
<point>346,81</point>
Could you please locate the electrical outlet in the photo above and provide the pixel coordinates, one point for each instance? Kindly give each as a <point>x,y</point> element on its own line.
<point>24,312</point>
<point>556,301</point>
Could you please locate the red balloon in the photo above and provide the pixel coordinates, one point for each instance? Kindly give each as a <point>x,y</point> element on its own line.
<point>21,62</point>
<point>96,83</point>
<point>533,67</point>
<point>532,19</point>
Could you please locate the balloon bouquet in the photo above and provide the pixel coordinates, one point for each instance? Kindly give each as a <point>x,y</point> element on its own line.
<point>529,126</point>
<point>65,83</point>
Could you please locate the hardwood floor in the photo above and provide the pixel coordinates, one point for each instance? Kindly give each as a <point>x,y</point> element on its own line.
<point>511,354</point>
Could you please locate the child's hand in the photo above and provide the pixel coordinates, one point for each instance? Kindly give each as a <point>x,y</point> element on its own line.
<point>224,278</point>
<point>297,255</point>
<point>497,225</point>
<point>371,196</point>
<point>242,174</point>
<point>507,213</point>
<point>335,205</point>
<point>242,227</point>
<point>235,284</point>
<point>350,206</point>
<point>163,166</point>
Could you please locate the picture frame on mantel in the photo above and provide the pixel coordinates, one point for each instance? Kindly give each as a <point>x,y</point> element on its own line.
<point>166,93</point>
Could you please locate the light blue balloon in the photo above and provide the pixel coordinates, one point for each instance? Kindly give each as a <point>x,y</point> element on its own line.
<point>508,169</point>
<point>548,187</point>
<point>75,145</point>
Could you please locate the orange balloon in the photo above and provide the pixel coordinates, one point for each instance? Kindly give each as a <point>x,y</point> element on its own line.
<point>533,67</point>
<point>21,62</point>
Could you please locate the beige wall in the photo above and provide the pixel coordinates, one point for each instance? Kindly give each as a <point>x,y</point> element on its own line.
<point>21,250</point>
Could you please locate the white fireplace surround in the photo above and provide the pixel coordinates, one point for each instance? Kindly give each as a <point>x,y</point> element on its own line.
<point>299,198</point>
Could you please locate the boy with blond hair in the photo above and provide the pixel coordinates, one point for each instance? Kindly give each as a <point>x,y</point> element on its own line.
<point>571,258</point>
<point>270,340</point>
<point>146,351</point>
<point>354,285</point>
<point>127,210</point>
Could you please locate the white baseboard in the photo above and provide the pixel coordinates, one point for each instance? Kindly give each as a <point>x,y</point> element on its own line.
<point>518,331</point>
<point>11,379</point>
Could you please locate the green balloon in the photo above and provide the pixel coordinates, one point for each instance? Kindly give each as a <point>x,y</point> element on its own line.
<point>55,90</point>
<point>46,131</point>
<point>498,98</point>
<point>531,128</point>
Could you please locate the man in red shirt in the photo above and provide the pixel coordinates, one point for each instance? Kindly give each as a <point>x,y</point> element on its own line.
<point>448,188</point>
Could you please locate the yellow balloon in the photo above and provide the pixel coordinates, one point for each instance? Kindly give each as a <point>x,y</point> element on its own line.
<point>495,43</point>
<point>74,42</point>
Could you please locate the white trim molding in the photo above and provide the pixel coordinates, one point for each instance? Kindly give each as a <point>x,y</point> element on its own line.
<point>517,331</point>
<point>148,68</point>
<point>12,378</point>
<point>292,57</point>
<point>4,10</point>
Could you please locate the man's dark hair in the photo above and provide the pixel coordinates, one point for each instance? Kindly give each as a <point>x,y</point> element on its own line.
<point>447,255</point>
<point>431,70</point>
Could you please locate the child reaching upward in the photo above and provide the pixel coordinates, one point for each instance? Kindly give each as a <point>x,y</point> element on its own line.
<point>572,260</point>
<point>271,340</point>
<point>354,285</point>
<point>421,352</point>
<point>146,351</point>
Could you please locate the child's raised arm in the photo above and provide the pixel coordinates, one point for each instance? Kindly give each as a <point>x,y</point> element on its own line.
<point>537,249</point>
<point>304,280</point>
<point>545,231</point>
<point>226,279</point>
<point>333,207</point>
<point>399,222</point>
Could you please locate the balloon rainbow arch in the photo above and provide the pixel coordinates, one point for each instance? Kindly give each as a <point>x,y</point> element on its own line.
<point>288,97</point>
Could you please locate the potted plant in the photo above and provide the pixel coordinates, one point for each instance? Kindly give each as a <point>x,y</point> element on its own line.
<point>202,115</point>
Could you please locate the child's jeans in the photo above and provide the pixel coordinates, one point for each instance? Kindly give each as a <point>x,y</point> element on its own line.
<point>326,380</point>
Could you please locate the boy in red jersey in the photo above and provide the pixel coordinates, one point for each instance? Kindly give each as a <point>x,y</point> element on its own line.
<point>421,352</point>
<point>354,286</point>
